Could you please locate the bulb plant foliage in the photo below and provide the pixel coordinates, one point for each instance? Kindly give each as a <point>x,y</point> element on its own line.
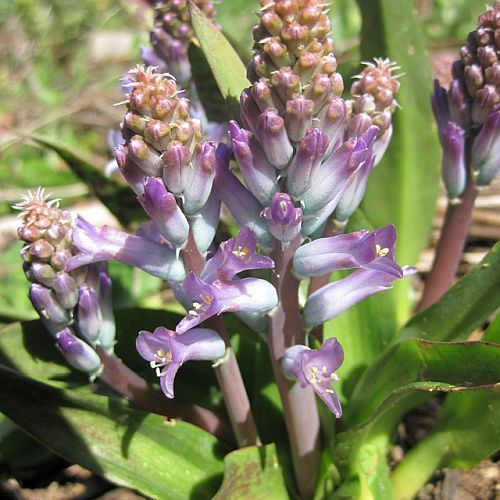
<point>287,178</point>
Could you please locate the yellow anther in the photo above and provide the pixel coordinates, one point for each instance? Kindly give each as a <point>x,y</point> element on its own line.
<point>323,369</point>
<point>314,370</point>
<point>382,252</point>
<point>207,299</point>
<point>169,356</point>
<point>241,252</point>
<point>160,353</point>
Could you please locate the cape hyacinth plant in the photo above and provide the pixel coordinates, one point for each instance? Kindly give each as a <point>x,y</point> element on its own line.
<point>302,258</point>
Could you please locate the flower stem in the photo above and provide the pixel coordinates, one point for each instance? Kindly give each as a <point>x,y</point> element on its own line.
<point>124,381</point>
<point>227,370</point>
<point>449,248</point>
<point>299,405</point>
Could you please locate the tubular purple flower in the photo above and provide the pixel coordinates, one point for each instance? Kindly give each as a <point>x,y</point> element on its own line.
<point>175,161</point>
<point>144,156</point>
<point>242,204</point>
<point>308,156</point>
<point>42,273</point>
<point>201,178</point>
<point>260,176</point>
<point>453,168</point>
<point>381,144</point>
<point>53,315</point>
<point>66,290</point>
<point>205,224</point>
<point>331,178</point>
<point>282,218</point>
<point>345,251</point>
<point>317,369</point>
<point>459,104</point>
<point>332,120</point>
<point>234,256</point>
<point>167,351</point>
<point>334,298</point>
<point>353,195</point>
<point>440,108</point>
<point>107,243</point>
<point>107,331</point>
<point>486,150</point>
<point>130,170</point>
<point>77,353</point>
<point>249,110</point>
<point>162,207</point>
<point>89,317</point>
<point>248,294</point>
<point>271,133</point>
<point>298,116</point>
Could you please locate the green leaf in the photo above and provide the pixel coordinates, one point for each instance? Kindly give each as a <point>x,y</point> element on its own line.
<point>118,198</point>
<point>227,68</point>
<point>252,473</point>
<point>419,365</point>
<point>402,379</point>
<point>467,431</point>
<point>160,459</point>
<point>404,187</point>
<point>464,307</point>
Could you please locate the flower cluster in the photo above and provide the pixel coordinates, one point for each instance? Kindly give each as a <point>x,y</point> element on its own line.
<point>467,114</point>
<point>171,36</point>
<point>78,299</point>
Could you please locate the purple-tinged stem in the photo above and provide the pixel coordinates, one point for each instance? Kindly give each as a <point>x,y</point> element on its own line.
<point>299,405</point>
<point>124,381</point>
<point>227,372</point>
<point>451,242</point>
<point>316,282</point>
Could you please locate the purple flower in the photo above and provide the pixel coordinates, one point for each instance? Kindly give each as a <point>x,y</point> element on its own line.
<point>107,243</point>
<point>167,351</point>
<point>77,353</point>
<point>234,256</point>
<point>89,314</point>
<point>453,168</point>
<point>52,313</point>
<point>282,218</point>
<point>317,369</point>
<point>345,251</point>
<point>440,108</point>
<point>205,224</point>
<point>162,207</point>
<point>248,294</point>
<point>334,298</point>
<point>260,176</point>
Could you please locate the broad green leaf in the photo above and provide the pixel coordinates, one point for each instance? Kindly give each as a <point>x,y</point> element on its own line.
<point>160,459</point>
<point>118,198</point>
<point>464,307</point>
<point>467,431</point>
<point>252,473</point>
<point>404,187</point>
<point>227,68</point>
<point>419,365</point>
<point>401,380</point>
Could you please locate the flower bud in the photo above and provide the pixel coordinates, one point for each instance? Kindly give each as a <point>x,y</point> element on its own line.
<point>144,156</point>
<point>271,132</point>
<point>175,162</point>
<point>486,150</point>
<point>107,332</point>
<point>260,176</point>
<point>484,102</point>
<point>78,353</point>
<point>129,169</point>
<point>453,167</point>
<point>89,317</point>
<point>282,218</point>
<point>201,177</point>
<point>66,290</point>
<point>298,117</point>
<point>42,273</point>
<point>53,315</point>
<point>162,207</point>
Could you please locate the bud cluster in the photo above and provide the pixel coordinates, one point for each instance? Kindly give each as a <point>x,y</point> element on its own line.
<point>469,110</point>
<point>374,101</point>
<point>163,158</point>
<point>478,69</point>
<point>172,34</point>
<point>82,297</point>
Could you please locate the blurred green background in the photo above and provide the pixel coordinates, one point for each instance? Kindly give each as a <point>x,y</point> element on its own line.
<point>59,76</point>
